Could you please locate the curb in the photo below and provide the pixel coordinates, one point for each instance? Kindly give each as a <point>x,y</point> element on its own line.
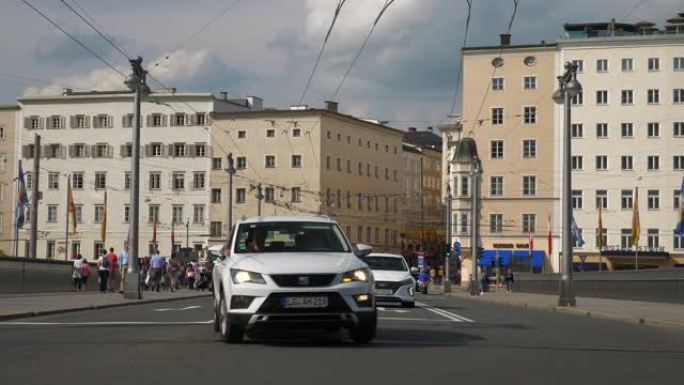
<point>7,317</point>
<point>580,311</point>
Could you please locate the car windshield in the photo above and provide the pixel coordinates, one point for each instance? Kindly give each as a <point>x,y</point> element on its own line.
<point>386,263</point>
<point>286,237</point>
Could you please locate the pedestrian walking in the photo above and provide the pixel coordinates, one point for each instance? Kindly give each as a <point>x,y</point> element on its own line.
<point>85,272</point>
<point>173,272</point>
<point>440,275</point>
<point>433,274</point>
<point>103,265</point>
<point>76,271</point>
<point>157,270</point>
<point>190,274</point>
<point>123,263</point>
<point>113,269</point>
<point>484,280</point>
<point>509,280</point>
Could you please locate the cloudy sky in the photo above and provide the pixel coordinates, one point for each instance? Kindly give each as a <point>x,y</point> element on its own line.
<point>406,74</point>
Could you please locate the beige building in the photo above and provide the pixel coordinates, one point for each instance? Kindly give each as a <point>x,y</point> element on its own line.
<point>508,111</point>
<point>309,162</point>
<point>8,117</point>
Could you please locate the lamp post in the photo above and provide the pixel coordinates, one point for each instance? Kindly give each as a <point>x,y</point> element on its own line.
<point>259,197</point>
<point>568,87</point>
<point>475,174</point>
<point>135,82</point>
<point>230,169</point>
<point>187,238</point>
<point>447,255</point>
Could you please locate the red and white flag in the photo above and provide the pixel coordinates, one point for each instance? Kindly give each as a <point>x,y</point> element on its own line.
<point>549,238</point>
<point>530,240</point>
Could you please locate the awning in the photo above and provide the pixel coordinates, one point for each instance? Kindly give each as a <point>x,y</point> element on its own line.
<point>537,256</point>
<point>489,257</point>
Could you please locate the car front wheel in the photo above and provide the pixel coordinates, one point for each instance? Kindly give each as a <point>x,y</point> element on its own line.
<point>230,333</point>
<point>365,332</point>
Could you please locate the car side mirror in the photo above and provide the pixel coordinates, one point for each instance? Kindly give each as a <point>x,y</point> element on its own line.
<point>361,250</point>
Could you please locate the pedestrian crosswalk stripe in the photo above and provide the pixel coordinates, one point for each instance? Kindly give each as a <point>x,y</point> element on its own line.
<point>444,313</point>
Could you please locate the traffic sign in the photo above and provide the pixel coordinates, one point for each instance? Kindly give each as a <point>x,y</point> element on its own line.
<point>421,261</point>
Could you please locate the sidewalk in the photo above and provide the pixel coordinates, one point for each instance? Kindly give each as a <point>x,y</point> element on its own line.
<point>29,305</point>
<point>650,313</point>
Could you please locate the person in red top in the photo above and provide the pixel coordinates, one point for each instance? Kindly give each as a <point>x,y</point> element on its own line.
<point>113,269</point>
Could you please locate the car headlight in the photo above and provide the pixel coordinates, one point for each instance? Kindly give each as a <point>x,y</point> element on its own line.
<point>242,276</point>
<point>408,281</point>
<point>359,275</point>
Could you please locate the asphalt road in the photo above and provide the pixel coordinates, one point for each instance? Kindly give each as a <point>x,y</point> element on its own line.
<point>448,341</point>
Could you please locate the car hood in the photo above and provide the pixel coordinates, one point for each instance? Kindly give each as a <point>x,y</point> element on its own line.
<point>298,263</point>
<point>390,275</point>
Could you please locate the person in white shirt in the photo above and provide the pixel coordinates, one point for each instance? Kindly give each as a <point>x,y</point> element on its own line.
<point>76,273</point>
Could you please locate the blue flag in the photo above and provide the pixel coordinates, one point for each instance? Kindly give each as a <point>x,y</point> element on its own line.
<point>679,230</point>
<point>22,199</point>
<point>576,234</point>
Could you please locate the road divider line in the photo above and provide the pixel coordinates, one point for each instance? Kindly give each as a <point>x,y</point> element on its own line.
<point>412,319</point>
<point>181,309</point>
<point>444,313</point>
<point>103,323</point>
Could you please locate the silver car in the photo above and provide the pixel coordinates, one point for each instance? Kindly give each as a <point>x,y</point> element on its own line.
<point>394,284</point>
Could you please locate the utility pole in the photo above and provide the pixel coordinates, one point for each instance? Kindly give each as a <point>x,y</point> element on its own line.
<point>230,169</point>
<point>475,174</point>
<point>136,82</point>
<point>447,255</point>
<point>569,87</point>
<point>66,233</point>
<point>33,245</point>
<point>259,197</point>
<point>187,238</point>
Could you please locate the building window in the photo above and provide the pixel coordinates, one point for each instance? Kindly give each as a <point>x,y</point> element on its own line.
<point>497,84</point>
<point>496,149</point>
<point>653,96</point>
<point>627,97</point>
<point>339,165</point>
<point>270,133</point>
<point>577,162</point>
<point>653,238</point>
<point>50,250</point>
<point>55,122</point>
<point>530,83</point>
<point>678,129</point>
<point>97,213</point>
<point>296,132</point>
<point>602,199</point>
<point>100,180</point>
<point>464,186</point>
<point>601,130</point>
<point>240,195</point>
<point>200,150</point>
<point>676,198</point>
<point>496,186</point>
<point>156,149</point>
<point>529,185</point>
<point>496,223</point>
<point>53,180</point>
<point>102,121</point>
<point>626,199</point>
<point>242,134</point>
<point>200,119</point>
<point>127,180</point>
<point>269,194</point>
<point>627,65</point>
<point>198,180</point>
<point>530,115</point>
<point>678,95</point>
<point>654,199</point>
<point>601,162</point>
<point>241,163</point>
<point>601,238</point>
<point>579,64</point>
<point>102,150</point>
<point>153,213</point>
<point>602,65</point>
<point>216,195</point>
<point>127,213</point>
<point>627,163</point>
<point>678,162</point>
<point>52,214</point>
<point>178,180</point>
<point>156,120</point>
<point>296,194</point>
<point>77,181</point>
<point>577,130</point>
<point>349,167</point>
<point>215,229</point>
<point>497,116</point>
<point>578,99</point>
<point>625,238</point>
<point>529,223</point>
<point>601,97</point>
<point>177,214</point>
<point>678,242</point>
<point>653,162</point>
<point>576,199</point>
<point>653,129</point>
<point>296,161</point>
<point>126,150</point>
<point>198,214</point>
<point>270,161</point>
<point>627,130</point>
<point>653,64</point>
<point>155,180</point>
<point>79,213</point>
<point>216,163</point>
<point>82,121</point>
<point>179,150</point>
<point>678,64</point>
<point>464,223</point>
<point>529,148</point>
<point>575,241</point>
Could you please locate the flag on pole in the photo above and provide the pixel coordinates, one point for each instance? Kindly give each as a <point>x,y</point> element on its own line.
<point>576,234</point>
<point>154,232</point>
<point>636,226</point>
<point>530,240</point>
<point>71,207</point>
<point>173,237</point>
<point>22,199</point>
<point>599,230</point>
<point>679,230</point>
<point>103,221</point>
<point>549,240</point>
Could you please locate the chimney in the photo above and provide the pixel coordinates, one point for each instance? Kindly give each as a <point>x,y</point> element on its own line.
<point>505,39</point>
<point>224,95</point>
<point>255,103</point>
<point>331,106</point>
<point>412,129</point>
<point>430,129</point>
<point>66,91</point>
<point>173,90</point>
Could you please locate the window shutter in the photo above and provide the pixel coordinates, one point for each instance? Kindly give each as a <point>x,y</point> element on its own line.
<point>43,150</point>
<point>72,121</point>
<point>110,151</point>
<point>171,180</point>
<point>169,150</point>
<point>110,121</point>
<point>24,151</point>
<point>208,150</point>
<point>62,122</point>
<point>172,118</point>
<point>122,151</point>
<point>86,122</point>
<point>190,119</point>
<point>96,121</point>
<point>189,150</point>
<point>123,120</point>
<point>207,119</point>
<point>41,123</point>
<point>148,122</point>
<point>71,151</point>
<point>62,151</point>
<point>148,150</point>
<point>163,120</point>
<point>92,150</point>
<point>27,123</point>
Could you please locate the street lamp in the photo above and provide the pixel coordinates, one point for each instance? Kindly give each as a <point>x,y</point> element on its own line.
<point>187,238</point>
<point>447,255</point>
<point>135,82</point>
<point>568,88</point>
<point>259,197</point>
<point>230,169</point>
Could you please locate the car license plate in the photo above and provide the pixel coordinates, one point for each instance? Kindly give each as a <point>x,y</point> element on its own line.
<point>305,302</point>
<point>384,291</point>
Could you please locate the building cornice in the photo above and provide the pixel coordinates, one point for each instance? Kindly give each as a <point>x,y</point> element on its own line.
<point>622,41</point>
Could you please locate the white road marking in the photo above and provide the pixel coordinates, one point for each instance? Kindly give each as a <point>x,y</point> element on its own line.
<point>444,313</point>
<point>102,323</point>
<point>181,309</point>
<point>392,310</point>
<point>412,319</point>
<point>381,308</point>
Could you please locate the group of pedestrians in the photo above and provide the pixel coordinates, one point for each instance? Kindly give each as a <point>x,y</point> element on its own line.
<point>111,270</point>
<point>484,280</point>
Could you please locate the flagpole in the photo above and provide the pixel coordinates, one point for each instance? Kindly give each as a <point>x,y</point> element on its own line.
<point>16,217</point>
<point>66,232</point>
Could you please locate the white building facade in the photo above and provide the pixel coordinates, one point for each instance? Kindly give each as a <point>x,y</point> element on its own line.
<point>86,138</point>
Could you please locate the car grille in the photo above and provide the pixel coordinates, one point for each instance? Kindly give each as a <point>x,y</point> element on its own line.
<point>274,304</point>
<point>303,280</point>
<point>394,286</point>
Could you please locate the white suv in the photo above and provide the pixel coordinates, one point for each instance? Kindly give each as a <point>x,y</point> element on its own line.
<point>292,272</point>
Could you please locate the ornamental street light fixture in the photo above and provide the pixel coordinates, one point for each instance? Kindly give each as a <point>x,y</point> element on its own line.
<point>568,88</point>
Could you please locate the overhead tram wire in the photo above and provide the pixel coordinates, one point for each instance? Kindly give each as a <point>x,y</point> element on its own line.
<point>73,38</point>
<point>204,27</point>
<point>100,33</point>
<point>460,67</point>
<point>363,45</point>
<point>320,53</point>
